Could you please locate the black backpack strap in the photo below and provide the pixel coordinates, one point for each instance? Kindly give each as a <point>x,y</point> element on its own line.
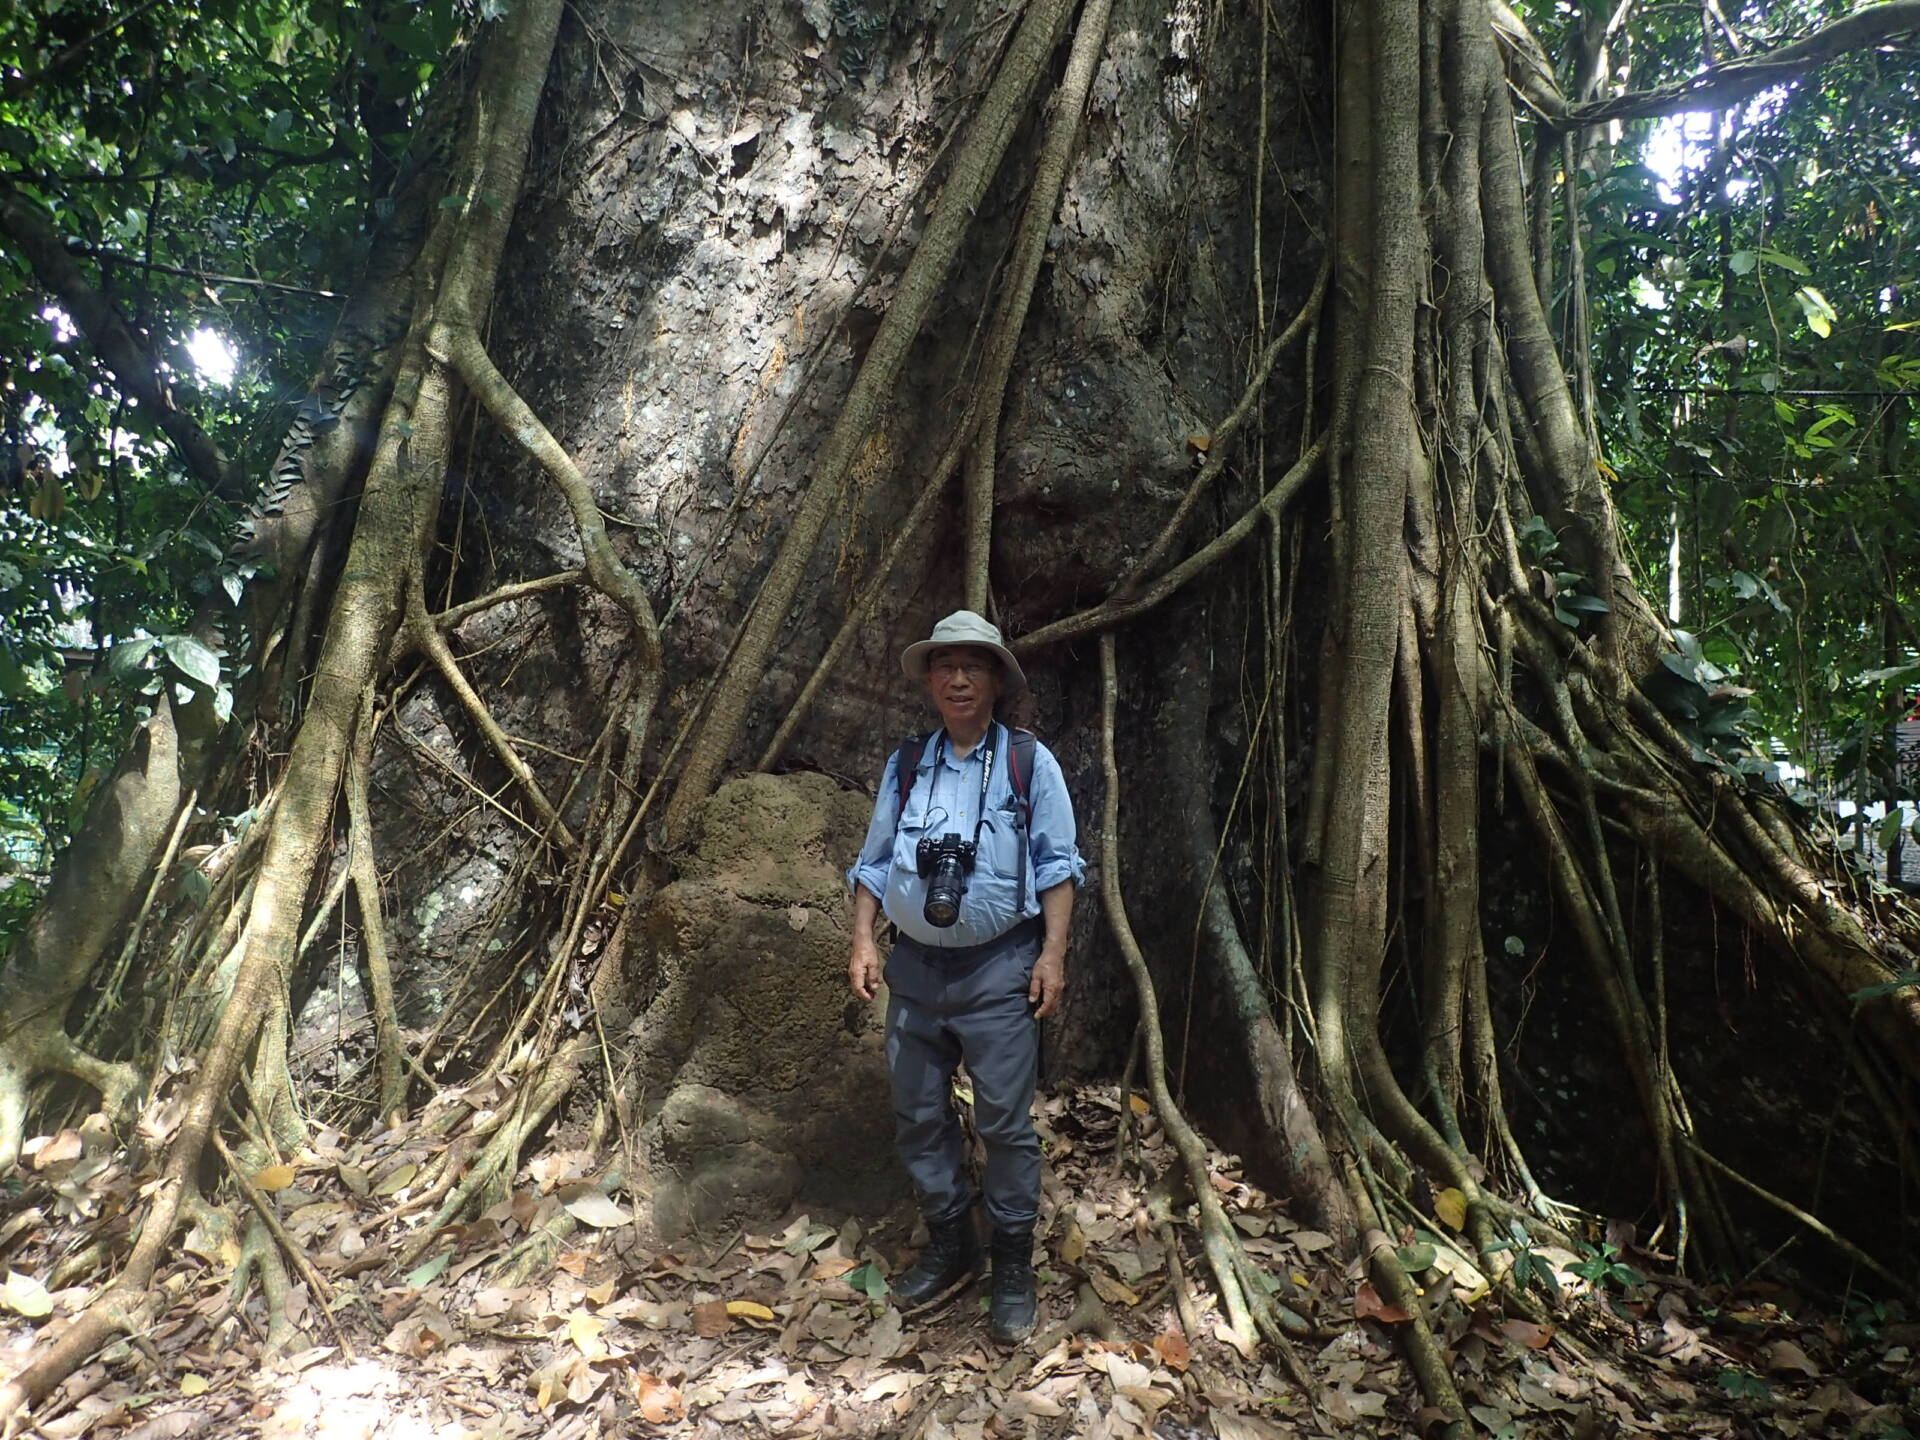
<point>1020,775</point>
<point>906,763</point>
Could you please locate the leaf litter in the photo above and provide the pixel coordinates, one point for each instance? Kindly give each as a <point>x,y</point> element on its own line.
<point>791,1330</point>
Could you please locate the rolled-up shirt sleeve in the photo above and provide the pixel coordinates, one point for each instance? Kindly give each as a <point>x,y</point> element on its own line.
<point>1055,856</point>
<point>876,854</point>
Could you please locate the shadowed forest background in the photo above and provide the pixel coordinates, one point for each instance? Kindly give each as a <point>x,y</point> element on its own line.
<point>1449,472</point>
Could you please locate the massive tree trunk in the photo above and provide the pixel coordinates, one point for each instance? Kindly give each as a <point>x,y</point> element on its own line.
<point>748,298</point>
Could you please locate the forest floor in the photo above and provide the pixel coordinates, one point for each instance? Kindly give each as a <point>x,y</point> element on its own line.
<point>789,1332</point>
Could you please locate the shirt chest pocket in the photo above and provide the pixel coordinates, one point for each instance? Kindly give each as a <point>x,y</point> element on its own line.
<point>909,832</point>
<point>1003,842</point>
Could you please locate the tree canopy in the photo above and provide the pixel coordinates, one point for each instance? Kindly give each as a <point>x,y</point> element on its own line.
<point>187,192</point>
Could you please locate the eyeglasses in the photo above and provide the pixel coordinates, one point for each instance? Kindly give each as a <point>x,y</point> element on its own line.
<point>970,669</point>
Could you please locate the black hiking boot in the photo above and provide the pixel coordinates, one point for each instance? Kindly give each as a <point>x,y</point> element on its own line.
<point>951,1258</point>
<point>1014,1308</point>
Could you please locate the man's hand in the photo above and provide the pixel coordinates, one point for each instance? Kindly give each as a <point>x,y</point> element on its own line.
<point>863,970</point>
<point>1049,983</point>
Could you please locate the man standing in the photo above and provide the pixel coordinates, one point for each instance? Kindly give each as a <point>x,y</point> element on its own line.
<point>972,857</point>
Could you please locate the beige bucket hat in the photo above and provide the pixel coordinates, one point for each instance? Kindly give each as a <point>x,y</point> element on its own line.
<point>963,627</point>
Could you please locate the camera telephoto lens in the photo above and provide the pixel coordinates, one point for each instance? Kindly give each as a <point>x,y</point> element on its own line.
<point>943,864</point>
<point>944,890</point>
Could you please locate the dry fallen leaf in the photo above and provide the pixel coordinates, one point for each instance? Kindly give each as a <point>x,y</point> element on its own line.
<point>26,1296</point>
<point>1367,1305</point>
<point>711,1319</point>
<point>1525,1332</point>
<point>894,1382</point>
<point>659,1402</point>
<point>1073,1244</point>
<point>274,1177</point>
<point>748,1310</point>
<point>1139,1104</point>
<point>598,1210</point>
<point>1229,1426</point>
<point>67,1145</point>
<point>584,1330</point>
<point>1451,1206</point>
<point>1308,1241</point>
<point>1173,1350</point>
<point>1110,1289</point>
<point>1244,1345</point>
<point>1784,1357</point>
<point>397,1179</point>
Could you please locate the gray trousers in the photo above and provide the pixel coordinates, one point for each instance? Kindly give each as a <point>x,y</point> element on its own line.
<point>943,1009</point>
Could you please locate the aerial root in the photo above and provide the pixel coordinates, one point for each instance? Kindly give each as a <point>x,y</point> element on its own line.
<point>1390,1277</point>
<point>1023,269</point>
<point>365,873</point>
<point>1812,1222</point>
<point>429,638</point>
<point>1251,1313</point>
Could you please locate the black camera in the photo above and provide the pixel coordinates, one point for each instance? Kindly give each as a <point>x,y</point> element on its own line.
<point>945,864</point>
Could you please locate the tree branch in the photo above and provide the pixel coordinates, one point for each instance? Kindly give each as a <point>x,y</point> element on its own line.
<point>1729,84</point>
<point>27,226</point>
<point>22,84</point>
<point>114,257</point>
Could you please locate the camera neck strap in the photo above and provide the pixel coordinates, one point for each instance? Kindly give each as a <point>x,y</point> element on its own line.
<point>986,772</point>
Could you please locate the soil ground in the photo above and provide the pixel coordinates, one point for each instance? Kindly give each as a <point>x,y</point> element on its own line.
<point>787,1331</point>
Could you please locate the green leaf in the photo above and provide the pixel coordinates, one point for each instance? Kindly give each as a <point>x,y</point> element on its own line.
<point>869,1282</point>
<point>1744,1385</point>
<point>1514,945</point>
<point>1785,261</point>
<point>1741,262</point>
<point>1415,1258</point>
<point>1892,672</point>
<point>1820,315</point>
<point>426,1274</point>
<point>129,657</point>
<point>1584,604</point>
<point>193,659</point>
<point>1894,986</point>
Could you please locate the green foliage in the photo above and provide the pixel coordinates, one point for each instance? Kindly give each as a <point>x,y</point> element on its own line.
<point>1603,1268</point>
<point>1562,584</point>
<point>1531,1270</point>
<point>1693,688</point>
<point>1756,365</point>
<point>869,1282</point>
<point>1866,1317</point>
<point>1743,1384</point>
<point>217,169</point>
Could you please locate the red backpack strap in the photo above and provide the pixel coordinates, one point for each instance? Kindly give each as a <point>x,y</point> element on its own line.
<point>906,763</point>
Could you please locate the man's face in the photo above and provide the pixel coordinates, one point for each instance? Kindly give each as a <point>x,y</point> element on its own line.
<point>965,682</point>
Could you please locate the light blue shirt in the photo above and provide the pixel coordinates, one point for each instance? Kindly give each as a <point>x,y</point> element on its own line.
<point>948,800</point>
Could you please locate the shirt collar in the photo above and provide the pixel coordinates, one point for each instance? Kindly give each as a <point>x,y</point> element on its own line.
<point>943,743</point>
